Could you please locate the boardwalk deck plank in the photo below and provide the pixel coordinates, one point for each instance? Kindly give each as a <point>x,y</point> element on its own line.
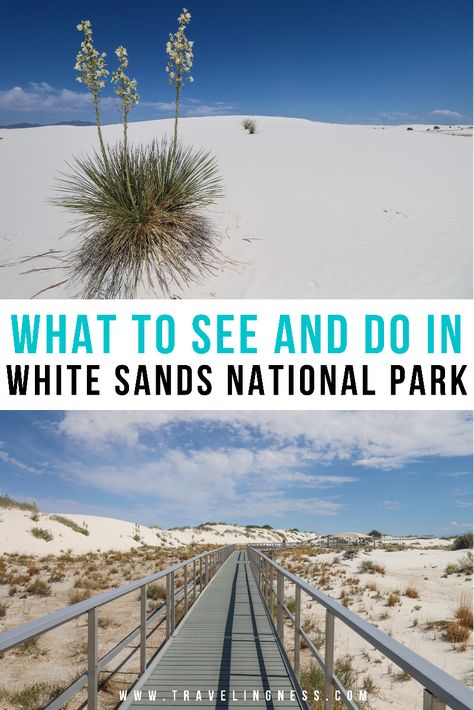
<point>226,643</point>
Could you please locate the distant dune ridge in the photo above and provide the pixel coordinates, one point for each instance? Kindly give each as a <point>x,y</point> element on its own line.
<point>311,210</point>
<point>103,534</point>
<point>35,533</point>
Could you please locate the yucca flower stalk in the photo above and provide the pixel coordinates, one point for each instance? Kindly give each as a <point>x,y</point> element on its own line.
<point>126,90</point>
<point>92,72</point>
<point>180,52</point>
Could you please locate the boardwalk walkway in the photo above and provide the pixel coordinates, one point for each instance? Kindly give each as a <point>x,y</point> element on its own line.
<point>227,645</point>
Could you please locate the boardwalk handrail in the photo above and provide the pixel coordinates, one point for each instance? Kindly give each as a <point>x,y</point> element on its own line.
<point>208,564</point>
<point>440,689</point>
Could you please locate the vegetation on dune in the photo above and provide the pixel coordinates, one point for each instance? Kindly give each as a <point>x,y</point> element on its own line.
<point>249,125</point>
<point>42,534</point>
<point>8,502</point>
<point>32,697</point>
<point>375,533</point>
<point>462,566</point>
<point>70,524</point>
<point>463,542</point>
<point>39,587</point>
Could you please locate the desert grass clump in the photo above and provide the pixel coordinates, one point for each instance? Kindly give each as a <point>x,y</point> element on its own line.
<point>393,599</point>
<point>34,696</point>
<point>369,567</point>
<point>411,592</point>
<point>8,502</point>
<point>456,633</point>
<point>42,534</point>
<point>462,566</point>
<point>463,542</point>
<point>156,592</point>
<point>463,613</point>
<point>39,587</point>
<point>249,125</point>
<point>70,524</point>
<point>145,228</point>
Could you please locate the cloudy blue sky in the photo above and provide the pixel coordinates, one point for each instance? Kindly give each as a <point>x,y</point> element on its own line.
<point>401,472</point>
<point>342,61</point>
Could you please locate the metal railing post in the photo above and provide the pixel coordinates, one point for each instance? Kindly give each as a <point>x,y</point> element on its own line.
<point>297,630</point>
<point>194,581</point>
<point>270,591</point>
<point>170,604</point>
<point>432,703</point>
<point>280,602</point>
<point>173,603</point>
<point>143,629</point>
<point>185,589</point>
<point>92,669</point>
<point>329,661</point>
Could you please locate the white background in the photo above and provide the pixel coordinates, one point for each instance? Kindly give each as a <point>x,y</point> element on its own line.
<point>124,351</point>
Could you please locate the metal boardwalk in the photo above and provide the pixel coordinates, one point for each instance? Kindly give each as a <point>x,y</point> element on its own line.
<point>226,649</point>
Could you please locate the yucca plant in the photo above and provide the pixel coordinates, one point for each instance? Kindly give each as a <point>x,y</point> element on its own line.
<point>249,125</point>
<point>143,225</point>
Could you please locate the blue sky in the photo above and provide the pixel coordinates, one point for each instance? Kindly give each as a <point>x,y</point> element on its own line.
<point>401,472</point>
<point>341,61</point>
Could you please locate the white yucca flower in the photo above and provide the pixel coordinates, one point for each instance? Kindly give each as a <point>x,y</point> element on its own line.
<point>92,71</point>
<point>125,88</point>
<point>180,61</point>
<point>180,52</point>
<point>89,63</point>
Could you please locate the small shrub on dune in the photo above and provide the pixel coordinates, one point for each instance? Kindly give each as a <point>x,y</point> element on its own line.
<point>456,633</point>
<point>34,696</point>
<point>249,125</point>
<point>39,587</point>
<point>8,502</point>
<point>463,542</point>
<point>463,612</point>
<point>42,534</point>
<point>70,524</point>
<point>411,592</point>
<point>156,592</point>
<point>144,227</point>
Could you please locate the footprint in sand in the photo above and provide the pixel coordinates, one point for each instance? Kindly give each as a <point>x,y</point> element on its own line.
<point>394,214</point>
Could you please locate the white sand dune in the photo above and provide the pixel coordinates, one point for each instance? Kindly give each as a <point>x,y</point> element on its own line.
<point>111,534</point>
<point>312,210</point>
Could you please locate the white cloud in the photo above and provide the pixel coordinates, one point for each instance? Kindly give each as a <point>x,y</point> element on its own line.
<point>396,116</point>
<point>391,504</point>
<point>41,97</point>
<point>446,113</point>
<point>261,464</point>
<point>195,108</point>
<point>184,483</point>
<point>6,458</point>
<point>379,440</point>
<point>406,116</point>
